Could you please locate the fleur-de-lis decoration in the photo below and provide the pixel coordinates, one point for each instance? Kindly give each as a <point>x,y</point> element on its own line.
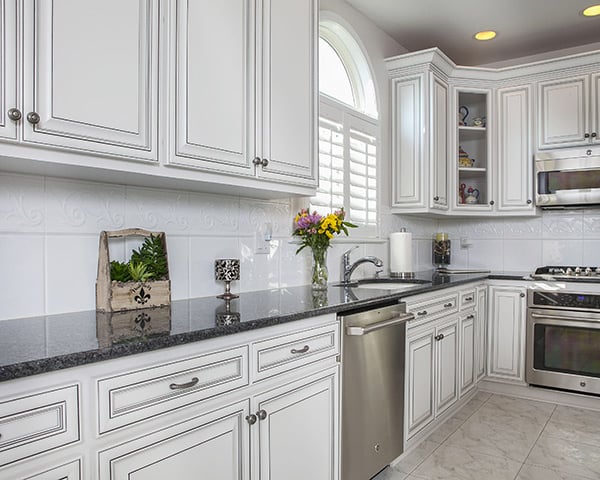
<point>143,320</point>
<point>142,297</point>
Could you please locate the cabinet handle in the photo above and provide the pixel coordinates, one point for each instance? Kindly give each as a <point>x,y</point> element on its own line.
<point>436,198</point>
<point>33,118</point>
<point>529,201</point>
<point>522,295</point>
<point>251,419</point>
<point>468,299</point>
<point>439,337</point>
<point>302,350</point>
<point>470,317</point>
<point>491,202</point>
<point>587,135</point>
<point>594,135</point>
<point>264,162</point>
<point>448,305</point>
<point>14,114</point>
<point>257,161</point>
<point>181,386</point>
<point>424,312</point>
<point>261,414</point>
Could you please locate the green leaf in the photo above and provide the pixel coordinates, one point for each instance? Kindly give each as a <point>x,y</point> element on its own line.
<point>119,271</point>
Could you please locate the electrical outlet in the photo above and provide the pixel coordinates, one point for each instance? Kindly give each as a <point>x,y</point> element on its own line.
<point>261,245</point>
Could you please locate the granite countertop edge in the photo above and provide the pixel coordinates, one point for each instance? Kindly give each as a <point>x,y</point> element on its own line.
<point>375,297</point>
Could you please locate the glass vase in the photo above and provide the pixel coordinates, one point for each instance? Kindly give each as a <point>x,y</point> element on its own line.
<point>320,274</point>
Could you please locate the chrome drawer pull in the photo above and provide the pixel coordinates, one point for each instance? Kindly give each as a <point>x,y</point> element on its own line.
<point>468,299</point>
<point>448,305</point>
<point>424,312</point>
<point>181,386</point>
<point>470,316</point>
<point>302,350</point>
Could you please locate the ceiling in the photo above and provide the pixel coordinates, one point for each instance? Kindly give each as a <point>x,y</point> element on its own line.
<point>525,27</point>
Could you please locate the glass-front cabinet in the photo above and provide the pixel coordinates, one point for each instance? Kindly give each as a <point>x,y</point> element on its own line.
<point>472,153</point>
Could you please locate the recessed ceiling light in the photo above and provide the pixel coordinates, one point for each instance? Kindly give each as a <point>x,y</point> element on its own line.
<point>485,35</point>
<point>592,11</point>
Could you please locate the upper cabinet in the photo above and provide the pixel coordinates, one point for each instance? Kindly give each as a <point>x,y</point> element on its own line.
<point>214,96</point>
<point>569,110</point>
<point>420,107</point>
<point>90,76</point>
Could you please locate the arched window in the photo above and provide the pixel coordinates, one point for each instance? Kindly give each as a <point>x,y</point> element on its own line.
<point>348,129</point>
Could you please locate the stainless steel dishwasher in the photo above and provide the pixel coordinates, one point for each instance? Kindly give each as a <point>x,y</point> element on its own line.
<point>372,389</point>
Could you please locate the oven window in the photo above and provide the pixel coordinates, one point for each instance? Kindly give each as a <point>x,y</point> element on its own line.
<point>550,182</point>
<point>567,349</point>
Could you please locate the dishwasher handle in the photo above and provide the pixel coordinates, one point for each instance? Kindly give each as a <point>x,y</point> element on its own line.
<point>356,331</point>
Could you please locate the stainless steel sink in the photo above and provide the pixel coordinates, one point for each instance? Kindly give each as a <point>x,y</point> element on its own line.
<point>388,285</point>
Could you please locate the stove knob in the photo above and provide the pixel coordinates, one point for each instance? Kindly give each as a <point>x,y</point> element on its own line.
<point>569,271</point>
<point>588,271</point>
<point>597,271</point>
<point>577,270</point>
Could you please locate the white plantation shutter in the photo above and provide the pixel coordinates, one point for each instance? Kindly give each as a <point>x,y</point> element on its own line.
<point>347,166</point>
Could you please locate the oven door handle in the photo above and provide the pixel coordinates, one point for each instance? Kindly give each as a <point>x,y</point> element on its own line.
<point>555,317</point>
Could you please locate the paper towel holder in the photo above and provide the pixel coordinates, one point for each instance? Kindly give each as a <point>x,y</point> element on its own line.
<point>402,275</point>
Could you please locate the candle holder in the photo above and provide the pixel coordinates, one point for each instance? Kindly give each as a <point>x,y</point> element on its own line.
<point>226,317</point>
<point>227,270</point>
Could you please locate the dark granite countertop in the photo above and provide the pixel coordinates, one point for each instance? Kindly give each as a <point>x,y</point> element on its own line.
<point>30,346</point>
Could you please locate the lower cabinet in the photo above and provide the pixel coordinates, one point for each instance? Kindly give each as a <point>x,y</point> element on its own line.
<point>506,336</point>
<point>432,372</point>
<point>481,332</point>
<point>467,352</point>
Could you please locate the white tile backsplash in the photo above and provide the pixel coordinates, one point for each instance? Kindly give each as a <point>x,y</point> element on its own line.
<point>49,231</point>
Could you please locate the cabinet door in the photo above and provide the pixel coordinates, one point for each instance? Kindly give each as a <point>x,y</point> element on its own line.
<point>595,111</point>
<point>8,68</point>
<point>467,352</point>
<point>481,332</point>
<point>515,185</point>
<point>212,99</point>
<point>90,73</point>
<point>287,116</point>
<point>446,366</point>
<point>407,148</point>
<point>209,446</point>
<point>563,112</point>
<point>438,144</point>
<point>507,333</point>
<point>68,471</point>
<point>419,390</point>
<point>297,430</point>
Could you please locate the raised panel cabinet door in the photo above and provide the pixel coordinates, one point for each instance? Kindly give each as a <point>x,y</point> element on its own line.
<point>439,144</point>
<point>563,112</point>
<point>515,156</point>
<point>446,366</point>
<point>296,436</point>
<point>507,333</point>
<point>91,75</point>
<point>68,471</point>
<point>212,446</point>
<point>213,78</point>
<point>287,114</point>
<point>408,176</point>
<point>8,70</point>
<point>596,108</point>
<point>481,332</point>
<point>467,352</point>
<point>419,390</point>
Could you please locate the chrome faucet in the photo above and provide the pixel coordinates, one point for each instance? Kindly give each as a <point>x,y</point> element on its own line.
<point>348,268</point>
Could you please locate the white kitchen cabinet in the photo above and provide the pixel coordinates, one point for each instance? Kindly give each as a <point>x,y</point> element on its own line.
<point>568,110</point>
<point>514,182</point>
<point>67,471</point>
<point>296,436</point>
<point>467,324</point>
<point>90,76</point>
<point>10,114</point>
<point>419,141</point>
<point>506,333</point>
<point>253,111</point>
<point>481,332</point>
<point>432,372</point>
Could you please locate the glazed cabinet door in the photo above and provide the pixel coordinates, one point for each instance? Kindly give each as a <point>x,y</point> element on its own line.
<point>288,95</point>
<point>420,385</point>
<point>595,135</point>
<point>563,118</point>
<point>438,143</point>
<point>467,352</point>
<point>91,75</point>
<point>10,113</point>
<point>212,99</point>
<point>447,365</point>
<point>515,155</point>
<point>506,351</point>
<point>210,446</point>
<point>296,435</point>
<point>481,332</point>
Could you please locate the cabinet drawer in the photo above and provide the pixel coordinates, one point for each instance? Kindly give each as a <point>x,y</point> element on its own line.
<point>38,423</point>
<point>135,396</point>
<point>291,351</point>
<point>468,299</point>
<point>434,308</point>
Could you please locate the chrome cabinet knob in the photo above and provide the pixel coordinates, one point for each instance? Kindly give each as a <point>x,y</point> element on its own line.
<point>264,162</point>
<point>529,202</point>
<point>522,295</point>
<point>587,135</point>
<point>15,114</point>
<point>261,414</point>
<point>251,419</point>
<point>257,161</point>
<point>33,118</point>
<point>436,198</point>
<point>491,202</point>
<point>594,135</point>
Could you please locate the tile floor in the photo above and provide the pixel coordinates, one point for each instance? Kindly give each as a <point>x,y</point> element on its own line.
<point>495,437</point>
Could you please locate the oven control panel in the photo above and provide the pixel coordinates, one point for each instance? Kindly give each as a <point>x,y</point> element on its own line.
<point>565,300</point>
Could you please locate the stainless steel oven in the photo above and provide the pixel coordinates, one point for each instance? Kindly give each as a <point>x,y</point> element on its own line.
<point>563,336</point>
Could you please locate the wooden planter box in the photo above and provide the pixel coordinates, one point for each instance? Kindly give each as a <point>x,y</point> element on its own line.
<point>123,327</point>
<point>113,296</point>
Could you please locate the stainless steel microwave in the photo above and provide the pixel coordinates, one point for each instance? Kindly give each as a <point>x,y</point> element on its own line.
<point>568,178</point>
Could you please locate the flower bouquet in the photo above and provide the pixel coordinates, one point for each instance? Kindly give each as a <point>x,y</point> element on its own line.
<point>316,231</point>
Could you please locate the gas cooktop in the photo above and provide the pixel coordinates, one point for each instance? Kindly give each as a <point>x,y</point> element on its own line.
<point>571,273</point>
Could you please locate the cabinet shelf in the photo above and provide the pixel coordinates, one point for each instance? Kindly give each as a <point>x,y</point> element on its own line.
<point>472,170</point>
<point>471,128</point>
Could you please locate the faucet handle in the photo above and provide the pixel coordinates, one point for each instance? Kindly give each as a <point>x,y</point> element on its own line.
<point>346,254</point>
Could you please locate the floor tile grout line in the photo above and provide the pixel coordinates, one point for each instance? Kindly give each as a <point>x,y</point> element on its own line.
<point>537,439</point>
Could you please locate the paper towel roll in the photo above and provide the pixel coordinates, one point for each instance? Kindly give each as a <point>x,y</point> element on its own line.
<point>401,252</point>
